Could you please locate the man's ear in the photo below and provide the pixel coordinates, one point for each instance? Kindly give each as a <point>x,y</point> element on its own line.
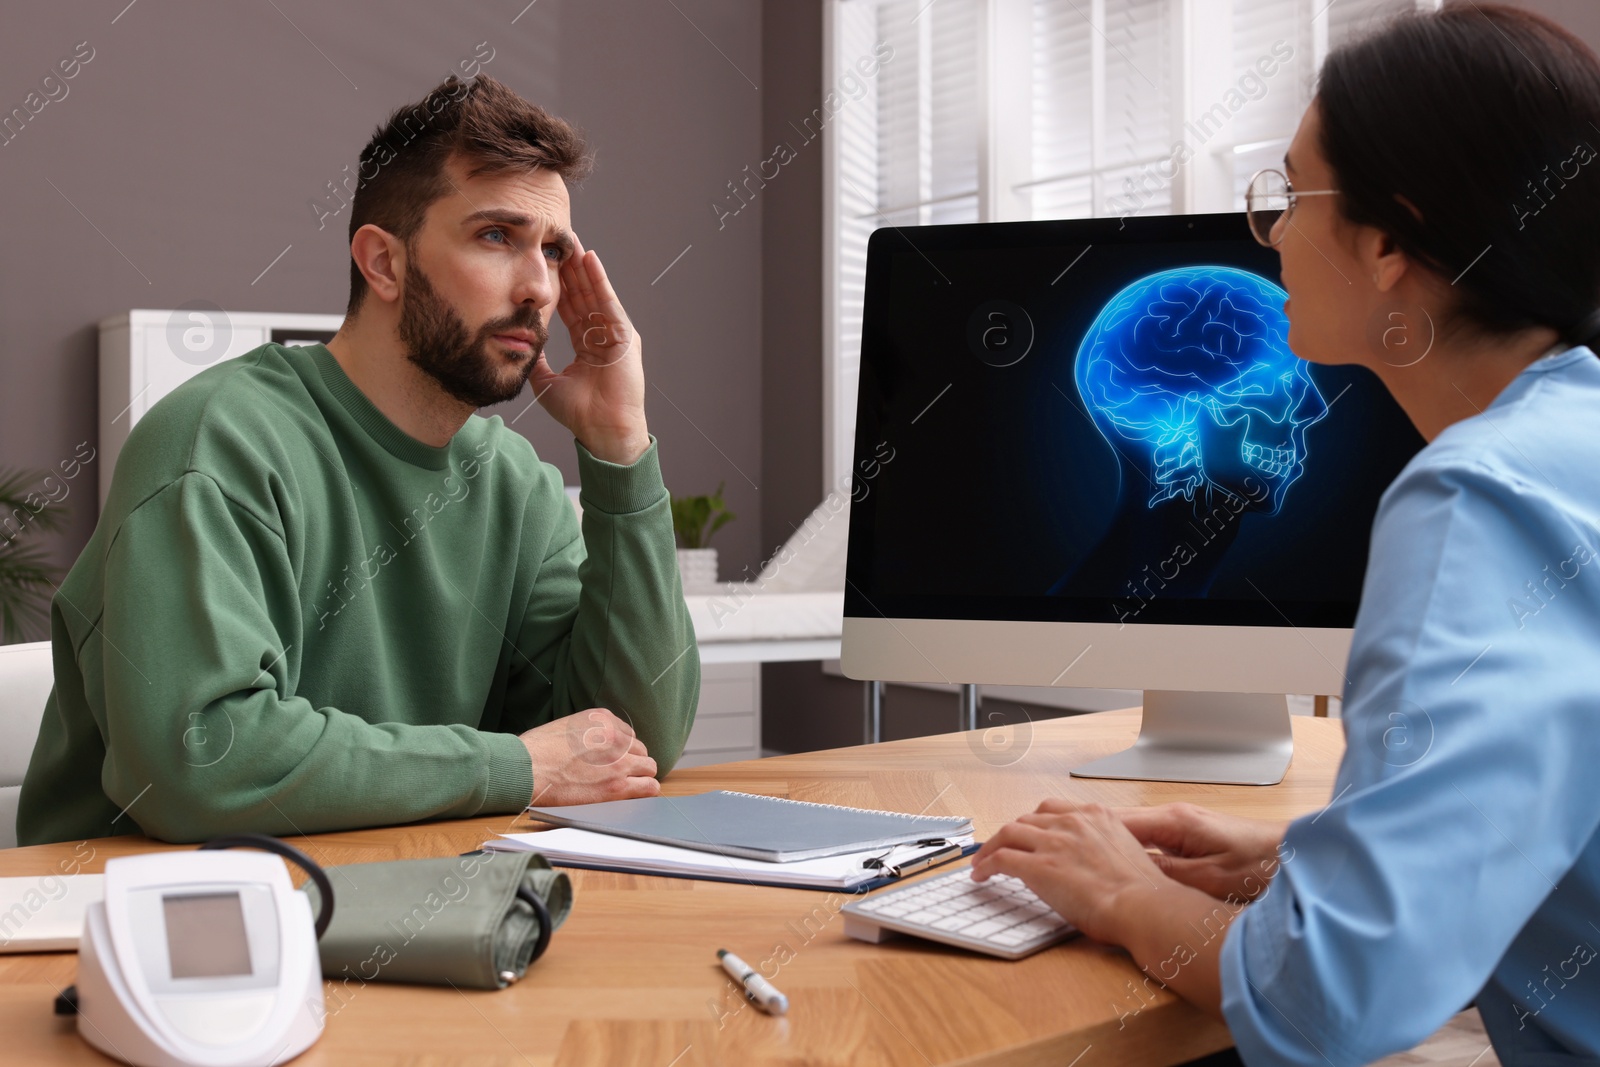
<point>380,256</point>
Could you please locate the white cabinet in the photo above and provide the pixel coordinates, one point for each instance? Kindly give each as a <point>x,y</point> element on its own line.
<point>146,354</point>
<point>727,725</point>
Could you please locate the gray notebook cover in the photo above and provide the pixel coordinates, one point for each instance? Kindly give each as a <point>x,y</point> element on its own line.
<point>755,827</point>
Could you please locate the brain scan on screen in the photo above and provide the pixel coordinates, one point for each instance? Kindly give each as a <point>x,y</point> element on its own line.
<point>1188,374</point>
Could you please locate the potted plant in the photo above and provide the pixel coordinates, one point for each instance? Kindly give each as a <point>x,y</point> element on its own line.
<point>27,581</point>
<point>694,520</point>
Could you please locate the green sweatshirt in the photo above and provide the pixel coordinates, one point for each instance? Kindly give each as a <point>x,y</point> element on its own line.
<point>293,617</point>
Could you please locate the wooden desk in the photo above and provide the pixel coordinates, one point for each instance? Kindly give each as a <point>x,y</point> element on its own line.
<point>632,977</point>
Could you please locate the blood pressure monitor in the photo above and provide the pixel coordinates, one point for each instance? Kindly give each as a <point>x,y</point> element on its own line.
<point>202,959</point>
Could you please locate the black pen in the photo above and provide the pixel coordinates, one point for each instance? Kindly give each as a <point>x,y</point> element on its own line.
<point>923,862</point>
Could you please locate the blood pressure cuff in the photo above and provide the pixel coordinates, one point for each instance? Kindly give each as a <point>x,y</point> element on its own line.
<point>455,920</point>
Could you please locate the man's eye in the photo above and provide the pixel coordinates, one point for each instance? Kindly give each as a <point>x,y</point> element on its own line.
<point>501,234</point>
<point>555,252</point>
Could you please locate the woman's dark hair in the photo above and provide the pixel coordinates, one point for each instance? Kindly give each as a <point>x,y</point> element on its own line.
<point>1487,119</point>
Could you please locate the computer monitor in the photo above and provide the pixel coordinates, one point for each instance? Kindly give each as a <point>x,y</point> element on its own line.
<point>1086,457</point>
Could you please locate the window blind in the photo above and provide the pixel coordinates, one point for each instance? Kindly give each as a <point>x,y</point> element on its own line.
<point>1102,107</point>
<point>907,149</point>
<point>1311,28</point>
<point>1100,111</point>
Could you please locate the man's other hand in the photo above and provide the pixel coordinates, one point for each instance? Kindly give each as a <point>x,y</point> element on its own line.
<point>588,757</point>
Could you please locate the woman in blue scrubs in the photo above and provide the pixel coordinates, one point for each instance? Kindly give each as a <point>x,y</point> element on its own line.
<point>1438,220</point>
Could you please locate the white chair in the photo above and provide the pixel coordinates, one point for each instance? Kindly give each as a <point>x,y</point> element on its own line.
<point>26,675</point>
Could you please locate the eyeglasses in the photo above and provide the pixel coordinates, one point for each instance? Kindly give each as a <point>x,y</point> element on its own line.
<point>1269,200</point>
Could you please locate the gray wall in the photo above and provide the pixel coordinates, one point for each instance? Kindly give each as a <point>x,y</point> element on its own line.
<point>791,272</point>
<point>184,155</point>
<point>802,708</point>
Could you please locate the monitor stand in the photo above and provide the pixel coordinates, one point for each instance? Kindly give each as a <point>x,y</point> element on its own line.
<point>1216,738</point>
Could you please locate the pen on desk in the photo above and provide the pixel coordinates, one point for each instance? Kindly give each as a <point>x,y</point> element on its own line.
<point>757,988</point>
<point>922,863</point>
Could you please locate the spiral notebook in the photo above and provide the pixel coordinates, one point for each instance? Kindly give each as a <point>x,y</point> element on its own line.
<point>774,829</point>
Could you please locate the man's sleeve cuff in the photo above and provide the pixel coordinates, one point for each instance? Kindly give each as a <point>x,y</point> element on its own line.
<point>510,774</point>
<point>617,489</point>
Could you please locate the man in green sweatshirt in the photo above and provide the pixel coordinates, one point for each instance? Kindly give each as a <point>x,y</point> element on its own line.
<point>324,594</point>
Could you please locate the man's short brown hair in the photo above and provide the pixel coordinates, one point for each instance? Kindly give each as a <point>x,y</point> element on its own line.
<point>489,126</point>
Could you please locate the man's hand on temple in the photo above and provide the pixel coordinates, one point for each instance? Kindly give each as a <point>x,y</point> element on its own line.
<point>599,397</point>
<point>588,757</point>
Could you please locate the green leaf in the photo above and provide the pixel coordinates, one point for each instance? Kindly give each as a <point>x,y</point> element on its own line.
<point>691,516</point>
<point>26,586</point>
<point>719,522</point>
<point>17,513</point>
<point>27,580</point>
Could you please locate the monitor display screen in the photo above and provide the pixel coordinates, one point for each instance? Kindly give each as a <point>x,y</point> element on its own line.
<point>1102,421</point>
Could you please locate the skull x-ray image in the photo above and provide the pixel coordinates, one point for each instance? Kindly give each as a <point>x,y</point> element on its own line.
<point>1188,373</point>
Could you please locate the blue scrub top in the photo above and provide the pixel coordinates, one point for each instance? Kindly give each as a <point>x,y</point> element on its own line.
<point>1458,859</point>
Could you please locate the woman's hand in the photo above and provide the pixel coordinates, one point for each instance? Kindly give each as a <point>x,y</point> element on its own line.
<point>1225,856</point>
<point>1086,863</point>
<point>1080,860</point>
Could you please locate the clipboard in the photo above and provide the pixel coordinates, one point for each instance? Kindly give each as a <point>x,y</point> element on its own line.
<point>857,889</point>
<point>850,873</point>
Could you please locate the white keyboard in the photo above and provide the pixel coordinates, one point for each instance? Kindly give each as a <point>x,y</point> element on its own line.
<point>1000,917</point>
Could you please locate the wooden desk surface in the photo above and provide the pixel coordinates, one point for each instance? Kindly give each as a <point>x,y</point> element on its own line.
<point>632,978</point>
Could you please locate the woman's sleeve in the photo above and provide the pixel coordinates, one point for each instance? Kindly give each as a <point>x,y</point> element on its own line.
<point>1467,788</point>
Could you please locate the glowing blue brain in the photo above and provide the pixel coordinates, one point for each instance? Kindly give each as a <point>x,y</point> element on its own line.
<point>1197,359</point>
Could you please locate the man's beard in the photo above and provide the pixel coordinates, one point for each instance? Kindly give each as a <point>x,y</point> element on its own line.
<point>436,340</point>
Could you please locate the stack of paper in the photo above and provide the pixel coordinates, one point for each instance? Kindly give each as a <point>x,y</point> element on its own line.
<point>606,852</point>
